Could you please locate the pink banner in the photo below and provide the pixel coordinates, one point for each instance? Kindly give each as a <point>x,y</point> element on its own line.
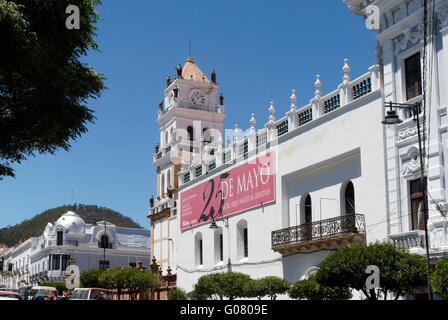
<point>246,186</point>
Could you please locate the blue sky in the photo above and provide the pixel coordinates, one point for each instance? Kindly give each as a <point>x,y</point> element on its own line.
<point>260,50</point>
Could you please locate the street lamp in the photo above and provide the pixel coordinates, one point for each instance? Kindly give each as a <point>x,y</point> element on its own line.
<point>392,119</point>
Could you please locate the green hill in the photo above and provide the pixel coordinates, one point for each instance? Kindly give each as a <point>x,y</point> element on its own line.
<point>35,226</point>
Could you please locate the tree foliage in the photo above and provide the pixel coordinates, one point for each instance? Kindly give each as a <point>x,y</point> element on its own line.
<point>400,271</point>
<point>310,289</point>
<point>91,278</point>
<point>268,286</point>
<point>35,226</point>
<point>439,279</point>
<point>229,285</point>
<point>177,294</point>
<point>133,280</point>
<point>44,87</point>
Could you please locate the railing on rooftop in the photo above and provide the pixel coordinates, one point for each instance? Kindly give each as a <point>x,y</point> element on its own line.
<point>332,103</point>
<point>295,118</point>
<point>305,116</point>
<point>282,128</point>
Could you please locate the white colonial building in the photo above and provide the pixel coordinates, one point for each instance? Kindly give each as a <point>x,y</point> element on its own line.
<point>72,241</point>
<point>315,177</point>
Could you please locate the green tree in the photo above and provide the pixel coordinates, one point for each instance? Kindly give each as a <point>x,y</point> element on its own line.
<point>274,286</point>
<point>114,279</point>
<point>177,294</point>
<point>44,87</point>
<point>310,289</point>
<point>193,295</point>
<point>439,279</point>
<point>208,287</point>
<point>267,286</point>
<point>229,285</point>
<point>254,289</point>
<point>139,280</point>
<point>400,271</point>
<point>91,278</point>
<point>232,285</point>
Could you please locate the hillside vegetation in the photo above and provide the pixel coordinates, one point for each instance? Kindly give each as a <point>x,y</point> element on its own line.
<point>35,226</point>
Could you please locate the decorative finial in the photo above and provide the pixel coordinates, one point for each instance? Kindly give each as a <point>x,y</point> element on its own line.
<point>236,133</point>
<point>253,121</point>
<point>271,111</point>
<point>346,70</point>
<point>293,99</point>
<point>318,85</point>
<point>168,81</point>
<point>213,76</point>
<point>161,105</point>
<point>179,71</point>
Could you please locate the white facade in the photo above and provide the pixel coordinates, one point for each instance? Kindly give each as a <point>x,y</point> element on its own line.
<point>71,240</point>
<point>321,149</point>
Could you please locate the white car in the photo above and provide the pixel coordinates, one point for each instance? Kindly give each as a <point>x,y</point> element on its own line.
<point>8,298</point>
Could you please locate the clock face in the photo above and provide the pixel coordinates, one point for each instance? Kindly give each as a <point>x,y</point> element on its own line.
<point>198,98</point>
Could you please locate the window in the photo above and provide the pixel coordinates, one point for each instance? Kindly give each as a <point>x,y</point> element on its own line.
<point>246,247</point>
<point>349,196</point>
<point>307,218</point>
<point>417,213</point>
<point>65,261</point>
<point>201,256</point>
<point>190,137</point>
<point>199,252</point>
<point>168,179</point>
<point>104,264</point>
<point>413,76</point>
<point>219,245</point>
<point>242,240</point>
<point>60,238</point>
<point>56,262</point>
<point>221,248</point>
<point>162,185</point>
<point>104,243</point>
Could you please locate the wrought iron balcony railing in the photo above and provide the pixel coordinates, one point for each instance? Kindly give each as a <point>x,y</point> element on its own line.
<point>328,229</point>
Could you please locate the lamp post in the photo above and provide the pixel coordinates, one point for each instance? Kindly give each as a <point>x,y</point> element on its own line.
<point>392,119</point>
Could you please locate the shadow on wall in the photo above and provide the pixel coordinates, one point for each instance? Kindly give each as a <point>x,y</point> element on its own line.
<point>296,266</point>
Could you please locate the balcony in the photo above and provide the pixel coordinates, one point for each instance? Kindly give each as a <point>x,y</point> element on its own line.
<point>414,239</point>
<point>325,234</point>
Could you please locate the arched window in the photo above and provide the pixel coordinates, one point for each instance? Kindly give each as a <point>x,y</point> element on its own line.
<point>349,197</point>
<point>104,242</point>
<point>242,240</point>
<point>199,250</point>
<point>190,137</point>
<point>162,184</point>
<point>166,137</point>
<point>168,178</point>
<point>307,217</point>
<point>219,246</point>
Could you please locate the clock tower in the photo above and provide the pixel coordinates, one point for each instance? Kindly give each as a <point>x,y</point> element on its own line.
<point>190,117</point>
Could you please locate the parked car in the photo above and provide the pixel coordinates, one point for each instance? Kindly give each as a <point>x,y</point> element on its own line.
<point>9,294</point>
<point>92,294</point>
<point>39,290</point>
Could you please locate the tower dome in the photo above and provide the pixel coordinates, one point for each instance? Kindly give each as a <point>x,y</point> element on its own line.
<point>72,222</point>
